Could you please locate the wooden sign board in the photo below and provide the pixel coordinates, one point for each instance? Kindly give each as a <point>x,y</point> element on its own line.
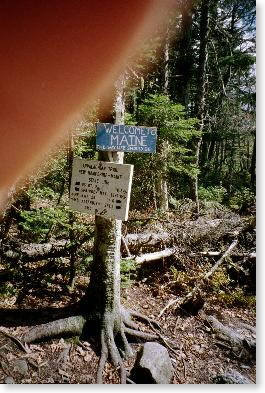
<point>120,137</point>
<point>101,188</point>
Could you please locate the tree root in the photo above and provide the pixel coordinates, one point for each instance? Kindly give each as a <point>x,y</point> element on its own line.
<point>66,326</point>
<point>109,350</point>
<point>127,319</point>
<point>113,336</point>
<point>144,318</point>
<point>15,339</point>
<point>142,335</point>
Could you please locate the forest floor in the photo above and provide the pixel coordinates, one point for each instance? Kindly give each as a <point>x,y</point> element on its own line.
<point>197,357</point>
<point>197,354</point>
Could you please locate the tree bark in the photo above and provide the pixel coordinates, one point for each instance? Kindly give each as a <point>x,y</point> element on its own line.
<point>148,240</point>
<point>105,276</point>
<point>253,165</point>
<point>201,89</point>
<point>186,54</point>
<point>73,259</point>
<point>166,63</point>
<point>161,182</point>
<point>162,192</point>
<point>103,293</point>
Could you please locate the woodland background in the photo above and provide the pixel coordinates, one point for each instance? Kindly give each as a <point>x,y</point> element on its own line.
<point>194,81</point>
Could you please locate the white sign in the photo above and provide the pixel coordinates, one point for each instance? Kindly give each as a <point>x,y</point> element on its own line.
<point>101,188</point>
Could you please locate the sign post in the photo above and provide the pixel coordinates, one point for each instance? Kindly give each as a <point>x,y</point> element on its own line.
<point>101,188</point>
<point>126,138</point>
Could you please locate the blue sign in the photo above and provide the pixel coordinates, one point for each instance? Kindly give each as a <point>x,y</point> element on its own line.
<point>120,137</point>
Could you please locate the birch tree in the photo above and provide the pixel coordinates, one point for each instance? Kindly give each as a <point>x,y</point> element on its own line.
<point>101,312</point>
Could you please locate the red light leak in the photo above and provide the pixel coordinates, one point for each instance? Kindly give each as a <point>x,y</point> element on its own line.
<point>56,57</point>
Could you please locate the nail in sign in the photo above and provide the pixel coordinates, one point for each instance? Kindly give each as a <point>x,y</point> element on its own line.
<point>120,137</point>
<point>101,188</point>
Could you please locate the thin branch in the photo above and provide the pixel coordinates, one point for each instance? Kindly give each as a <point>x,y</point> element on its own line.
<point>205,277</point>
<point>16,340</point>
<point>218,68</point>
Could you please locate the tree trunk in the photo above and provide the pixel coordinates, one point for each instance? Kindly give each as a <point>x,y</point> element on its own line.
<point>186,54</point>
<point>253,165</point>
<point>201,90</point>
<point>70,155</point>
<point>103,293</point>
<point>166,63</point>
<point>105,276</point>
<point>162,191</point>
<point>161,180</point>
<point>102,313</point>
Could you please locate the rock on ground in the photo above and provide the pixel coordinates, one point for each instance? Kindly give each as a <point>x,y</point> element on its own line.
<point>21,366</point>
<point>9,380</point>
<point>231,377</point>
<point>152,365</point>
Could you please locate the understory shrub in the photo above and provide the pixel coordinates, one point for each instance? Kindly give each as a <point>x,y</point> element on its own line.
<point>216,193</point>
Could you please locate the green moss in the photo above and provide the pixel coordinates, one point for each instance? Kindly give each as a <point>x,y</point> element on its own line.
<point>7,290</point>
<point>219,281</point>
<point>237,298</point>
<point>128,272</point>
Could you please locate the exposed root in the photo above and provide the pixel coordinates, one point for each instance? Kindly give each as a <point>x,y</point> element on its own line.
<point>142,335</point>
<point>15,339</point>
<point>113,336</point>
<point>127,350</point>
<point>165,341</point>
<point>144,318</point>
<point>110,350</point>
<point>60,327</point>
<point>102,361</point>
<point>127,318</point>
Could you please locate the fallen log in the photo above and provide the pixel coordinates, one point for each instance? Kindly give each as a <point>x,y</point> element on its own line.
<point>224,333</point>
<point>154,256</point>
<point>235,341</point>
<point>184,234</point>
<point>244,325</point>
<point>32,252</point>
<point>36,252</point>
<point>250,255</point>
<point>149,240</point>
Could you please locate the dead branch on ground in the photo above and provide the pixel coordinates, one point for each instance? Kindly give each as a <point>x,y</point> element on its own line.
<point>179,301</point>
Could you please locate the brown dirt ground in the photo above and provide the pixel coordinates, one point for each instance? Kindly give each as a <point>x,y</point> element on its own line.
<point>196,356</point>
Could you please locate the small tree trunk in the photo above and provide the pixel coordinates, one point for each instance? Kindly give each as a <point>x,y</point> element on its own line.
<point>166,63</point>
<point>105,277</point>
<point>71,216</point>
<point>253,165</point>
<point>161,180</point>
<point>162,192</point>
<point>201,92</point>
<point>186,54</point>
